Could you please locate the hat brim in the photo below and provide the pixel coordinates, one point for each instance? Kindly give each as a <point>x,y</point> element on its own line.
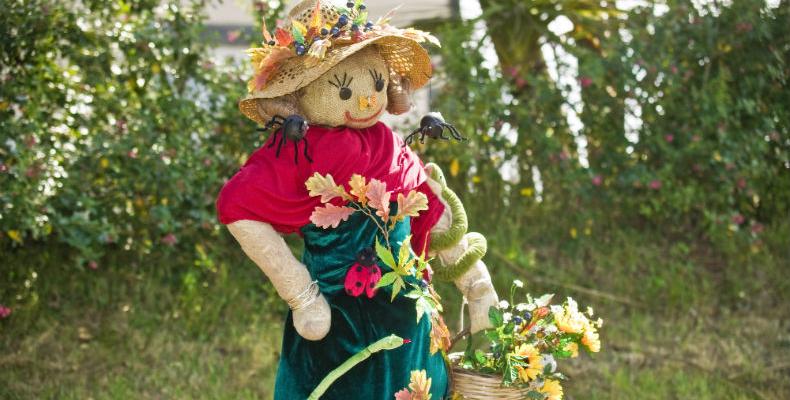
<point>402,54</point>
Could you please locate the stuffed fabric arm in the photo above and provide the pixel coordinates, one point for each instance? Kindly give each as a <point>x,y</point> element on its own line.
<point>459,254</point>
<point>262,244</point>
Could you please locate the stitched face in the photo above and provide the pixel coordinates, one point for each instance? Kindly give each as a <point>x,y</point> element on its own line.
<point>353,93</point>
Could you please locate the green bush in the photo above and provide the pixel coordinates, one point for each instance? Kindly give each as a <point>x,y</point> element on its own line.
<point>713,149</point>
<point>117,128</point>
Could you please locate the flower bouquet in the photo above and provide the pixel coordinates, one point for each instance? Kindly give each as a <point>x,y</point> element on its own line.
<point>526,341</point>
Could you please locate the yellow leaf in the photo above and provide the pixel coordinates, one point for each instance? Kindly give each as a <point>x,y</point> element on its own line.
<point>15,236</point>
<point>104,163</point>
<point>455,167</point>
<point>325,187</point>
<point>574,233</point>
<point>359,188</point>
<point>315,21</point>
<point>475,179</point>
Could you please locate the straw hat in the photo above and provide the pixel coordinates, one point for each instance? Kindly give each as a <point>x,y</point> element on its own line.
<point>317,37</point>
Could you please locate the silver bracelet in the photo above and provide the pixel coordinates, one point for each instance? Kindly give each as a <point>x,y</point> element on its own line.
<point>304,299</point>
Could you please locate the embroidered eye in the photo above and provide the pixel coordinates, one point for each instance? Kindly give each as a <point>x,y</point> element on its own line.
<point>378,80</point>
<point>342,84</point>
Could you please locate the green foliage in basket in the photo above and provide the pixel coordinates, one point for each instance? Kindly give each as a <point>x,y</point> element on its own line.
<point>527,339</point>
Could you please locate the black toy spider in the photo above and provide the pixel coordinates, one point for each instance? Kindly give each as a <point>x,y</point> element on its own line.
<point>292,128</point>
<point>432,125</point>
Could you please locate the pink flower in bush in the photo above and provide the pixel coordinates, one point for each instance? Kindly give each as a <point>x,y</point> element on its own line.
<point>669,138</point>
<point>521,82</point>
<point>696,138</point>
<point>512,71</point>
<point>738,219</point>
<point>4,312</point>
<point>585,81</point>
<point>597,180</point>
<point>655,184</point>
<point>757,228</point>
<point>93,265</point>
<point>233,35</point>
<point>169,239</point>
<point>741,183</point>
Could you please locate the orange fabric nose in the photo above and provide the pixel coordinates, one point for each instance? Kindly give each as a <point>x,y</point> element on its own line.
<point>366,102</point>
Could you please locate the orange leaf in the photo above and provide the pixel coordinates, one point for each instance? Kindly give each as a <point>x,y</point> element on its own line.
<point>359,188</point>
<point>284,38</point>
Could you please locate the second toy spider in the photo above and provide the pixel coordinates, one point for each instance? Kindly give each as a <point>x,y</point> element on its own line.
<point>432,126</point>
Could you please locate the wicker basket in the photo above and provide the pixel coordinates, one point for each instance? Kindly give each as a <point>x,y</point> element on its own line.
<point>476,386</point>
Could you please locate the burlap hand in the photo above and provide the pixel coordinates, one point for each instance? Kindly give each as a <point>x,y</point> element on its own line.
<point>312,315</point>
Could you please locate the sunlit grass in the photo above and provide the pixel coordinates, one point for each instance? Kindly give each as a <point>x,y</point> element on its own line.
<point>680,323</point>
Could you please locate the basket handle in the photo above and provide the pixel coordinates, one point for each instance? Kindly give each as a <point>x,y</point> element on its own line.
<point>462,331</point>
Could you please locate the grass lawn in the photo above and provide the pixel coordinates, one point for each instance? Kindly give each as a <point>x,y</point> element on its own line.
<point>682,322</point>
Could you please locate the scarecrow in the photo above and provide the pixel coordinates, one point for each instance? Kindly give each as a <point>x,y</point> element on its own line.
<point>321,83</point>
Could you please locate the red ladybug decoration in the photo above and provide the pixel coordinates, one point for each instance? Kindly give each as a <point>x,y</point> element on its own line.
<point>363,276</point>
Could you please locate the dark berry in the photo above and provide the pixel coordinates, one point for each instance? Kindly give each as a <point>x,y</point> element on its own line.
<point>350,4</point>
<point>300,49</point>
<point>527,315</point>
<point>355,28</point>
<point>369,25</point>
<point>334,30</point>
<point>517,320</point>
<point>342,20</point>
<point>324,31</point>
<point>272,43</point>
<point>362,7</point>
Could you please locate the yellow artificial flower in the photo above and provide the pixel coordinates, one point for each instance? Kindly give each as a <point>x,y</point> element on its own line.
<point>591,339</point>
<point>552,389</point>
<point>573,348</point>
<point>527,192</point>
<point>535,366</point>
<point>569,321</point>
<point>455,167</point>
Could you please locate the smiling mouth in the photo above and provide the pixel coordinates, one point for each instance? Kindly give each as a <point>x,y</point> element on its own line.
<point>349,118</point>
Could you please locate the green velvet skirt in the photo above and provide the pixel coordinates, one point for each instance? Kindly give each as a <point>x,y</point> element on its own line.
<point>356,323</point>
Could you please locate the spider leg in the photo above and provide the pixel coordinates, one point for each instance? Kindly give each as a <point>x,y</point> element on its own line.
<point>296,152</point>
<point>454,131</point>
<point>441,133</point>
<point>422,137</point>
<point>305,151</point>
<point>279,146</point>
<point>273,139</point>
<point>410,137</point>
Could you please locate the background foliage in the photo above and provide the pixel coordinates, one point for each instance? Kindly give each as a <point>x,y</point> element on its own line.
<point>117,130</point>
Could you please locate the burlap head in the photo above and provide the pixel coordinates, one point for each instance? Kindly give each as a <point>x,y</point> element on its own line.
<point>403,55</point>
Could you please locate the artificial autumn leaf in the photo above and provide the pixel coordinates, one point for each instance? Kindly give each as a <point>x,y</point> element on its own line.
<point>325,186</point>
<point>440,335</point>
<point>411,204</point>
<point>420,385</point>
<point>330,215</point>
<point>359,188</point>
<point>284,38</point>
<point>298,30</point>
<point>379,198</point>
<point>315,19</point>
<point>403,394</point>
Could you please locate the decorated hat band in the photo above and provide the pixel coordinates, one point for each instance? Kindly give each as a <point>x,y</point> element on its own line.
<point>317,37</point>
